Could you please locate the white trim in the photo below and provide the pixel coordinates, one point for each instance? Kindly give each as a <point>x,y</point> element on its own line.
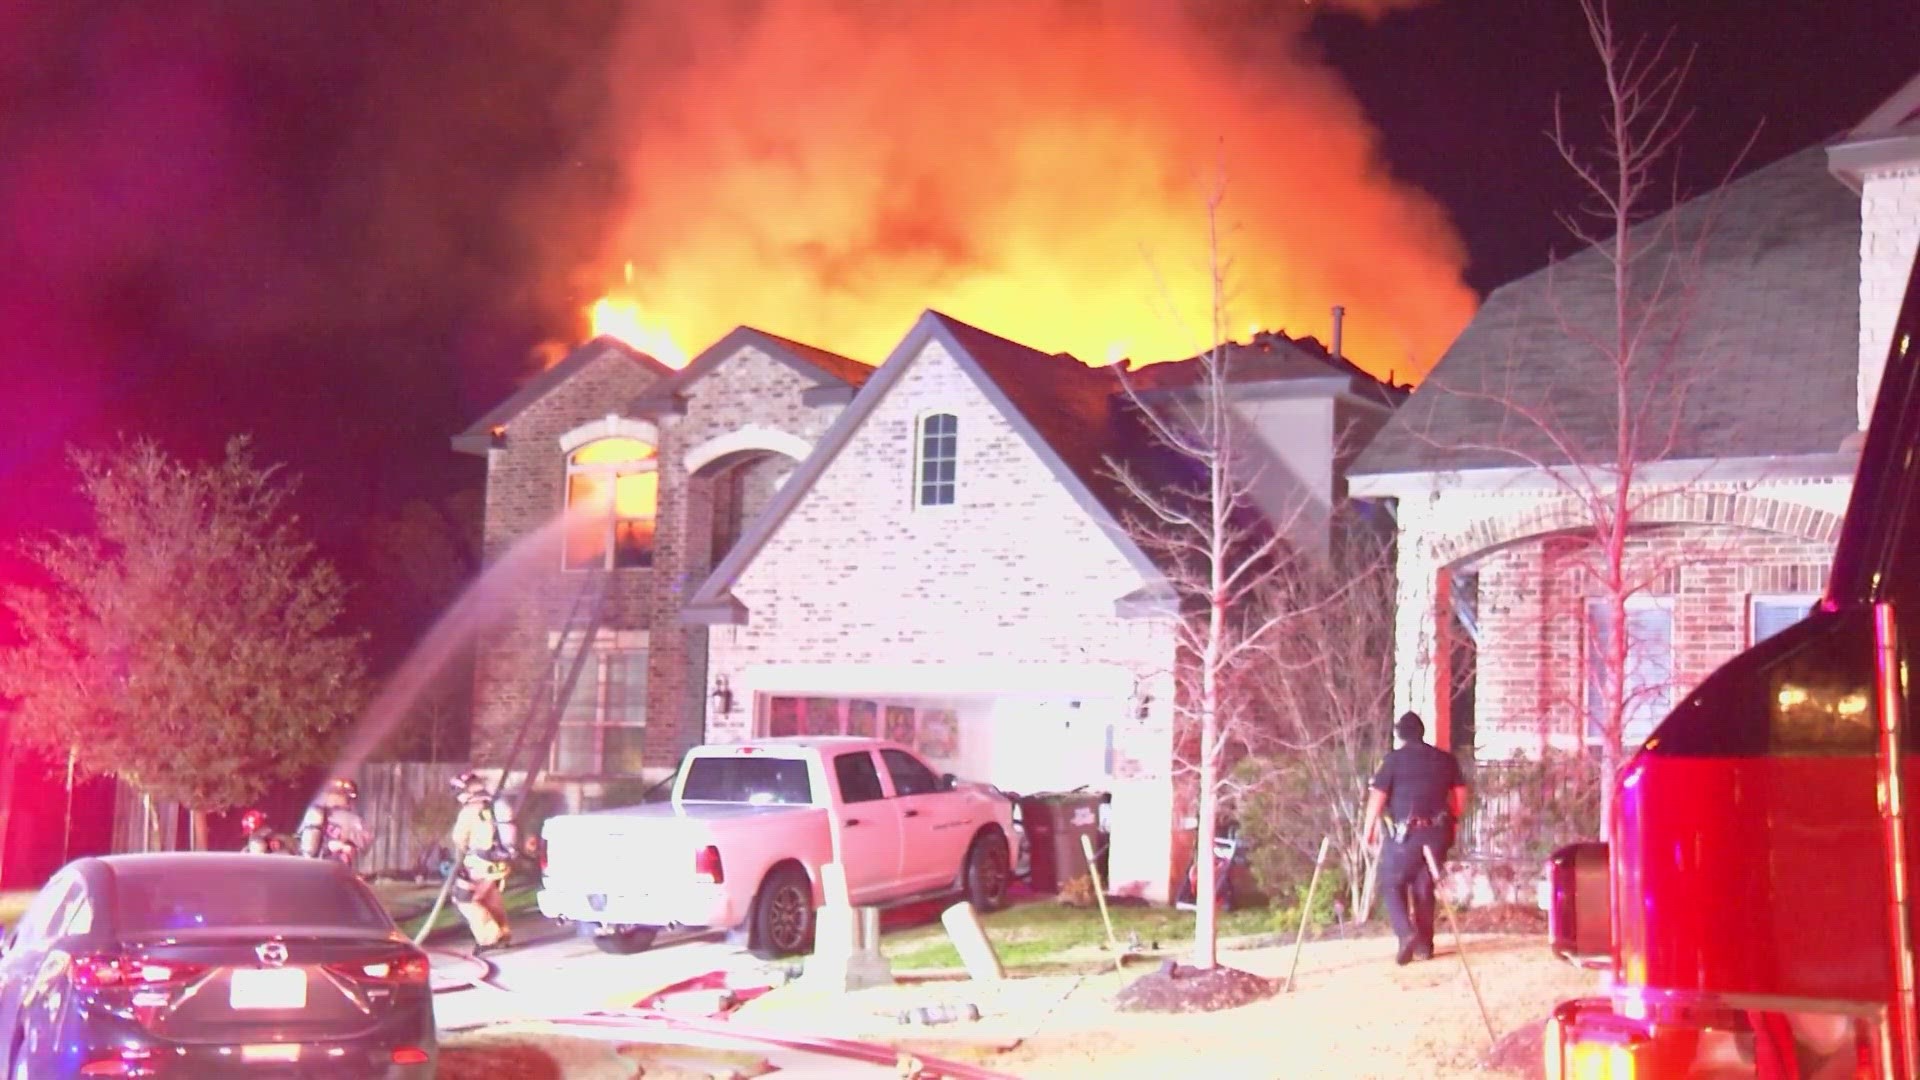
<point>1835,466</point>
<point>608,427</point>
<point>750,437</point>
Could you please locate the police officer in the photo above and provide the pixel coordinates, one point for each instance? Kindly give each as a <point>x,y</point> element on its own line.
<point>483,838</point>
<point>332,827</point>
<point>1422,793</point>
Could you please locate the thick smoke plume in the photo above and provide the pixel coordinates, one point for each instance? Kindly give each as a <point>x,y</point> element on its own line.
<point>825,170</point>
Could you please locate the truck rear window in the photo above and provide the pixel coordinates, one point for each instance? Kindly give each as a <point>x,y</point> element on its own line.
<point>761,781</point>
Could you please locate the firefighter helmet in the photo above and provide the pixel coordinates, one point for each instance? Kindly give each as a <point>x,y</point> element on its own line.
<point>468,785</point>
<point>344,787</point>
<point>252,822</point>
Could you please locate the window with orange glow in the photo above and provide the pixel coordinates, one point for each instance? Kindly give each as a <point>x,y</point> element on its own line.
<point>613,498</point>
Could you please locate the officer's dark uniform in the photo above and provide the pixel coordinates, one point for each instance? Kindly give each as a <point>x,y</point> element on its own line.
<point>1416,779</point>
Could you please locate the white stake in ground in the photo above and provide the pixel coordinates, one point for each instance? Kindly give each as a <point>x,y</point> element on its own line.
<point>1306,910</point>
<point>1433,867</point>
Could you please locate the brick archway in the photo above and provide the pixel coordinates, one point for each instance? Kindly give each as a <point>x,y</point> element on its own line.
<point>751,437</point>
<point>1739,509</point>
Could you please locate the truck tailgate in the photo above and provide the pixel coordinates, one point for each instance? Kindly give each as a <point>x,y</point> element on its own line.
<point>635,849</point>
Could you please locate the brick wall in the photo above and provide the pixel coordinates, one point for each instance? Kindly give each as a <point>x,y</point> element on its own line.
<point>1752,533</point>
<point>1532,618</point>
<point>1889,236</point>
<point>526,490</point>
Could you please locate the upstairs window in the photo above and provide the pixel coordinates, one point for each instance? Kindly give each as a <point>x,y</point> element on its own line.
<point>613,496</point>
<point>939,459</point>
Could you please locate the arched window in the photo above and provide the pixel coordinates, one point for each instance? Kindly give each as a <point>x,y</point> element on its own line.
<point>939,454</point>
<point>613,496</point>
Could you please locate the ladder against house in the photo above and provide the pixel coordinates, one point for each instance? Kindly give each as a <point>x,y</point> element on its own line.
<point>566,662</point>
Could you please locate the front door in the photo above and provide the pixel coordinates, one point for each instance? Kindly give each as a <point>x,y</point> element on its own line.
<point>935,825</point>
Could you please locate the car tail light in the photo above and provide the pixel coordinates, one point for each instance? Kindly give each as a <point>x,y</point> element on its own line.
<point>124,1063</point>
<point>101,971</point>
<point>404,969</point>
<point>410,1055</point>
<point>706,866</point>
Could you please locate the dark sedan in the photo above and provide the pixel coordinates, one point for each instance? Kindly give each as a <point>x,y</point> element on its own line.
<point>209,965</point>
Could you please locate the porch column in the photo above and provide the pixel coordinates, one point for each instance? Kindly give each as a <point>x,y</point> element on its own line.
<point>1417,616</point>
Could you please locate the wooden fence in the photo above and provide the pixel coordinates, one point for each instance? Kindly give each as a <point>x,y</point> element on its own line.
<point>407,804</point>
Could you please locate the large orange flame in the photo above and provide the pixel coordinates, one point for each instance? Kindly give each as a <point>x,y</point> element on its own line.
<point>825,170</point>
<point>620,316</point>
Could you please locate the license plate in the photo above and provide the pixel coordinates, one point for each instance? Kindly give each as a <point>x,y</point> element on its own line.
<point>269,988</point>
<point>271,1052</point>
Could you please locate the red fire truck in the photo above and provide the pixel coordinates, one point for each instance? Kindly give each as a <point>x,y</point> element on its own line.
<point>1752,908</point>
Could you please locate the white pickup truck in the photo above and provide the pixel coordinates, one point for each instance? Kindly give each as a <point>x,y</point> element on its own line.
<point>749,826</point>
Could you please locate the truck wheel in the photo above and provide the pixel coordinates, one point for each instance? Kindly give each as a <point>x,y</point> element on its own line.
<point>783,913</point>
<point>987,872</point>
<point>633,939</point>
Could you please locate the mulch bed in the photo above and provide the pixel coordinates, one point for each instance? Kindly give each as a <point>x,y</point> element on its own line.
<point>1177,988</point>
<point>1521,1051</point>
<point>1501,919</point>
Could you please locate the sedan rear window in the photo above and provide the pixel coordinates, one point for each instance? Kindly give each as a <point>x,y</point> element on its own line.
<point>761,781</point>
<point>180,898</point>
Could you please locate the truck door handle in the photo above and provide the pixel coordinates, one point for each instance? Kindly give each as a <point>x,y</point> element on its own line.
<point>911,813</point>
<point>852,821</point>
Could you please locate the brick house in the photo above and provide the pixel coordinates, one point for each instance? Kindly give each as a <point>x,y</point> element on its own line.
<point>665,466</point>
<point>1787,326</point>
<point>929,550</point>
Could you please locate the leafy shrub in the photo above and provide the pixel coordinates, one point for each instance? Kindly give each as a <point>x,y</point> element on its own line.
<point>1523,808</point>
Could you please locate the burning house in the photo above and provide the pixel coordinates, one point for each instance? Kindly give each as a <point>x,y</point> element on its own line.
<point>780,540</point>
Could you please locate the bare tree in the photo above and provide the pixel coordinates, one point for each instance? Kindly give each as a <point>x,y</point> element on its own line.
<point>1324,685</point>
<point>1221,553</point>
<point>1647,264</point>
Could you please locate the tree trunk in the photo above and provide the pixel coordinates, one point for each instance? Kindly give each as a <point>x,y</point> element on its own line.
<point>196,830</point>
<point>1206,928</point>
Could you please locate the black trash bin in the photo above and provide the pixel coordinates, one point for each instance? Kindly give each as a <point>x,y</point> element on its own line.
<point>1055,822</point>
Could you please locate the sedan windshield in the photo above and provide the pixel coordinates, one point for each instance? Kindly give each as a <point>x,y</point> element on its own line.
<point>759,781</point>
<point>161,897</point>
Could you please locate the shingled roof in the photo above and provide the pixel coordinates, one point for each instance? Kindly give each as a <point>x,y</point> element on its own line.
<point>1766,343</point>
<point>478,436</point>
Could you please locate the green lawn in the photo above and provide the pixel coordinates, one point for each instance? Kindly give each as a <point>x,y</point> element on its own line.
<point>1044,931</point>
<point>519,898</point>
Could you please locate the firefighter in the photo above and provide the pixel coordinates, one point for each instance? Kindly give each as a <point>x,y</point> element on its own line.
<point>483,837</point>
<point>261,839</point>
<point>332,827</point>
<point>1422,793</point>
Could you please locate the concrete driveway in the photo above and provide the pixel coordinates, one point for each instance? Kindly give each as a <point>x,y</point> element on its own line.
<point>559,973</point>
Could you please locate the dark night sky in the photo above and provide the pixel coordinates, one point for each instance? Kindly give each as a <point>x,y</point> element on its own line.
<point>322,222</point>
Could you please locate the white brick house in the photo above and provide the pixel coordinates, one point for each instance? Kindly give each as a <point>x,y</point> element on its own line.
<point>938,562</point>
<point>1795,301</point>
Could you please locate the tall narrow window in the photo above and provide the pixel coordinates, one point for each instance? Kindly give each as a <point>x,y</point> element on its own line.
<point>603,722</point>
<point>613,495</point>
<point>1648,686</point>
<point>939,458</point>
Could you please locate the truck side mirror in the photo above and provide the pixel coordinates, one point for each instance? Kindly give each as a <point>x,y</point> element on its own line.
<point>948,781</point>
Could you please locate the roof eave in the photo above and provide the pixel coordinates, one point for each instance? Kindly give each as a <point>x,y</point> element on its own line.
<point>722,610</point>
